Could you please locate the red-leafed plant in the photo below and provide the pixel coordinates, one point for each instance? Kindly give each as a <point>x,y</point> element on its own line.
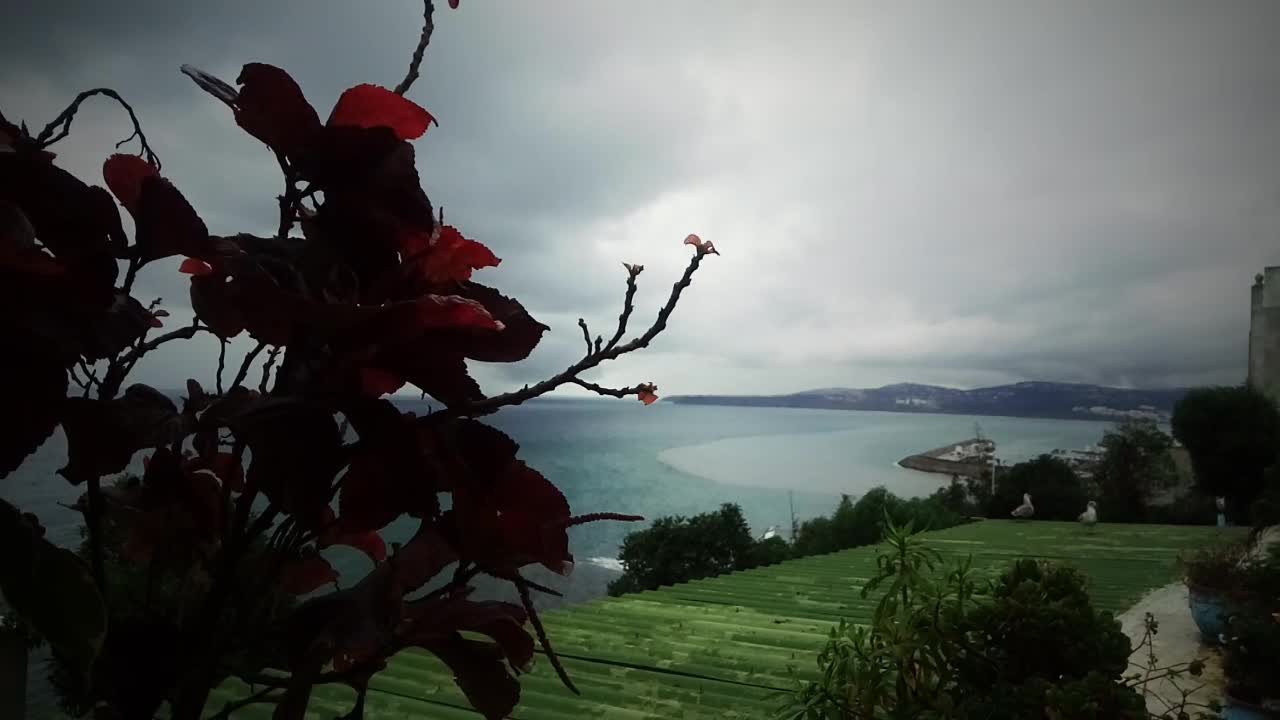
<point>362,290</point>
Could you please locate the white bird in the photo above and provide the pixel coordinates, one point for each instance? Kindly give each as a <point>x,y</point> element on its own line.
<point>1089,517</point>
<point>772,532</point>
<point>1026,509</point>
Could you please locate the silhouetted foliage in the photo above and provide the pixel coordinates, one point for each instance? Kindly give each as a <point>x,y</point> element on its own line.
<point>1135,465</point>
<point>862,523</point>
<point>1056,491</point>
<point>1233,436</point>
<point>679,549</point>
<point>362,290</point>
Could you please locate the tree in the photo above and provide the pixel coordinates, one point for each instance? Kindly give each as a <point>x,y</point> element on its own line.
<point>1232,435</point>
<point>863,523</point>
<point>1135,465</point>
<point>362,290</point>
<point>679,549</point>
<point>1054,488</point>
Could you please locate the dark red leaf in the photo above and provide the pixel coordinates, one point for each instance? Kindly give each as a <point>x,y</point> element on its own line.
<point>155,321</point>
<point>272,108</point>
<point>33,382</point>
<point>368,499</point>
<point>102,436</point>
<point>166,222</point>
<point>294,451</point>
<point>453,4</point>
<point>480,673</point>
<point>77,223</point>
<point>520,333</point>
<point>389,474</point>
<point>124,175</point>
<point>376,383</point>
<point>504,622</point>
<point>453,311</point>
<point>195,266</point>
<point>446,256</point>
<point>306,574</point>
<point>369,106</point>
<point>423,557</point>
<point>106,332</point>
<point>214,305</point>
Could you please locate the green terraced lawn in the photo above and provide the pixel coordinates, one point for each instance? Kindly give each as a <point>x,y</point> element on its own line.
<point>718,648</point>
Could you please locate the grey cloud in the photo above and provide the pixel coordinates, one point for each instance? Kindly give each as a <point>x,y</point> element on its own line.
<point>926,191</point>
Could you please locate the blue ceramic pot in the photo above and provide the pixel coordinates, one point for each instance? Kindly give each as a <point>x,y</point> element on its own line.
<point>1209,609</point>
<point>1233,709</point>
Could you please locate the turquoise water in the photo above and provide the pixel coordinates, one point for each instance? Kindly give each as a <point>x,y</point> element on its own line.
<point>677,459</point>
<point>660,460</point>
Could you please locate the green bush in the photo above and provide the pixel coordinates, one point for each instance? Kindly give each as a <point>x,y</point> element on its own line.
<point>862,523</point>
<point>941,645</point>
<point>1056,491</point>
<point>1135,465</point>
<point>678,549</point>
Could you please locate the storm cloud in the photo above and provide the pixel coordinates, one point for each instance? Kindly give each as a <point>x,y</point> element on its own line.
<point>957,193</point>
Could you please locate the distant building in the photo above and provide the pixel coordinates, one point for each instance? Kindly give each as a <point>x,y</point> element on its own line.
<point>1264,332</point>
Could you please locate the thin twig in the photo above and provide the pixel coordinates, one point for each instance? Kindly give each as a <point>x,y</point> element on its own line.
<point>586,335</point>
<point>222,360</point>
<point>523,586</point>
<point>131,274</point>
<point>428,8</point>
<point>612,392</point>
<point>627,306</point>
<point>244,364</point>
<point>272,354</point>
<point>48,137</point>
<point>496,402</point>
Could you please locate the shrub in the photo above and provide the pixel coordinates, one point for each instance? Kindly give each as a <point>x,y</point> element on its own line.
<point>679,549</point>
<point>1232,435</point>
<point>1251,657</point>
<point>1135,465</point>
<point>862,523</point>
<point>941,645</point>
<point>1056,491</point>
<point>1213,567</point>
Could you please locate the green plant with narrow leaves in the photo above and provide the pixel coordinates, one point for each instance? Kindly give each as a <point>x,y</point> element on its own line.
<point>943,645</point>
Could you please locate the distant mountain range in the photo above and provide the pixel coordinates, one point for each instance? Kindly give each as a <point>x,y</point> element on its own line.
<point>1024,399</point>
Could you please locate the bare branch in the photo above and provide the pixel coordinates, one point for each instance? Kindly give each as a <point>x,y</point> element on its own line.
<point>523,586</point>
<point>611,392</point>
<point>494,403</point>
<point>586,335</point>
<point>222,360</point>
<point>595,517</point>
<point>428,8</point>
<point>627,306</point>
<point>131,274</point>
<point>60,127</point>
<point>244,364</point>
<point>272,354</point>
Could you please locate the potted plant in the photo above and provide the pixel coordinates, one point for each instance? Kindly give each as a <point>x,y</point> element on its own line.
<point>1211,574</point>
<point>1251,664</point>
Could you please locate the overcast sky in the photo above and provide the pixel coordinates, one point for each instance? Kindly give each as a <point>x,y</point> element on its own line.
<point>955,193</point>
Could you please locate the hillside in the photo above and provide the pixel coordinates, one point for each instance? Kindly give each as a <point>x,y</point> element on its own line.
<point>1025,399</point>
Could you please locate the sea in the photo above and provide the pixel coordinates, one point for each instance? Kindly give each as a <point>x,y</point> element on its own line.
<point>663,459</point>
